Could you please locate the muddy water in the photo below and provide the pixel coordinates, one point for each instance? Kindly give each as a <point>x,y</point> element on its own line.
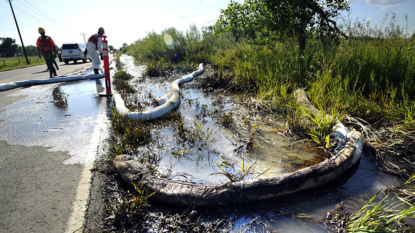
<point>216,148</point>
<point>226,146</point>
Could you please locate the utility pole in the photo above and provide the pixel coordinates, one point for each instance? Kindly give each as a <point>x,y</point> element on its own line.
<point>84,37</point>
<point>21,40</point>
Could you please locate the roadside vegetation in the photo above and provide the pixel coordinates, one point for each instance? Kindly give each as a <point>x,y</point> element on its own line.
<point>11,63</point>
<point>362,75</point>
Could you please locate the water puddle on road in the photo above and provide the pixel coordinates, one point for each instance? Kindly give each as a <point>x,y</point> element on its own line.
<point>219,148</point>
<point>61,116</point>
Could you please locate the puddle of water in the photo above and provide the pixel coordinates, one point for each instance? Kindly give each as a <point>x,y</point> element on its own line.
<point>196,162</point>
<point>272,153</point>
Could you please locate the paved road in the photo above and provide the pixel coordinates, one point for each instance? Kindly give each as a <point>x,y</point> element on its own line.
<point>40,72</point>
<point>49,138</point>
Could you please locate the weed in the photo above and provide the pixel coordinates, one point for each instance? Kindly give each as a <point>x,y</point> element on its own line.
<point>151,161</point>
<point>152,69</point>
<point>130,208</point>
<point>180,153</point>
<point>322,126</point>
<point>234,175</point>
<point>253,130</point>
<point>129,135</point>
<point>122,75</point>
<point>118,64</point>
<point>197,133</point>
<point>381,217</point>
<point>118,122</point>
<point>121,84</point>
<point>180,126</point>
<point>250,144</point>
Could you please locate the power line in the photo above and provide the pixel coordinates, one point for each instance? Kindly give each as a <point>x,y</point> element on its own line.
<point>40,13</point>
<point>24,12</point>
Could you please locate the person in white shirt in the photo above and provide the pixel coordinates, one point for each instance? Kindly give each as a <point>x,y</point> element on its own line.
<point>94,48</point>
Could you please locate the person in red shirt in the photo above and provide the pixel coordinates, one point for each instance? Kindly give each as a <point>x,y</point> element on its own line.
<point>94,47</point>
<point>46,45</point>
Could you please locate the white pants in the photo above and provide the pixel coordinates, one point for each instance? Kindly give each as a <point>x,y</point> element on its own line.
<point>93,52</point>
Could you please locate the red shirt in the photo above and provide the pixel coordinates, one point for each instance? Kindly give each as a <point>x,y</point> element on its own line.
<point>46,44</point>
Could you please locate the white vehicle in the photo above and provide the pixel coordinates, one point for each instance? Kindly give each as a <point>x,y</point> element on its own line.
<point>74,52</point>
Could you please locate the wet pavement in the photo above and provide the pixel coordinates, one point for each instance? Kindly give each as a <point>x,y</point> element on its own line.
<point>48,133</point>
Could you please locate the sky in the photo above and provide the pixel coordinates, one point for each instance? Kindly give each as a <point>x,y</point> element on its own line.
<point>126,21</point>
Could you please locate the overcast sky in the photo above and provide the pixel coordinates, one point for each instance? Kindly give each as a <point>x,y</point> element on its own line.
<point>126,21</point>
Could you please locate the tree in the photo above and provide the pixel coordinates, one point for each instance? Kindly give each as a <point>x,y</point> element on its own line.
<point>8,47</point>
<point>111,48</point>
<point>31,50</point>
<point>124,48</point>
<point>273,19</point>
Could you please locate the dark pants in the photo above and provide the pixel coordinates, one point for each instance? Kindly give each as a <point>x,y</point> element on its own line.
<point>48,56</point>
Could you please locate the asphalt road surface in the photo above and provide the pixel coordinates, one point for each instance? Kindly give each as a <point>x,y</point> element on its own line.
<point>49,137</point>
<point>40,72</point>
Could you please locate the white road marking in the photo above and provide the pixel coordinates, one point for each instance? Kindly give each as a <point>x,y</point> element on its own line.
<point>77,217</point>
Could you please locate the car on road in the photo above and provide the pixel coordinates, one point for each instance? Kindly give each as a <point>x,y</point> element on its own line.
<point>74,52</point>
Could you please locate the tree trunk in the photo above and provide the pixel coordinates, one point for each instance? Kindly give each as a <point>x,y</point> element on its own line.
<point>302,41</point>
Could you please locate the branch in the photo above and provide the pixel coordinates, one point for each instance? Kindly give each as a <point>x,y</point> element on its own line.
<point>323,15</point>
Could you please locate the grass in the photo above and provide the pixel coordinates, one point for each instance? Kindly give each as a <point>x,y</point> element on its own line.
<point>118,64</point>
<point>11,63</point>
<point>383,216</point>
<point>129,135</point>
<point>130,208</point>
<point>197,133</point>
<point>321,126</point>
<point>368,77</point>
<point>237,173</point>
<point>232,173</point>
<point>120,82</point>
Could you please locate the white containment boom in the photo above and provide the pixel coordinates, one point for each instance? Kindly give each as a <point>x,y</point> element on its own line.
<point>167,102</point>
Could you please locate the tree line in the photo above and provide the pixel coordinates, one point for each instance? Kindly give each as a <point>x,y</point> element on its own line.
<point>9,48</point>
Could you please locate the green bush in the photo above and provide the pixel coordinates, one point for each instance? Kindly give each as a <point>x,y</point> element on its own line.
<point>174,46</point>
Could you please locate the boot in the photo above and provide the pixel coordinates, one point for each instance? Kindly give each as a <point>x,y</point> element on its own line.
<point>54,72</point>
<point>96,71</point>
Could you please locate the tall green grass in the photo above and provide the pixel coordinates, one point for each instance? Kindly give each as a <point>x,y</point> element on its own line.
<point>370,76</point>
<point>11,63</point>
